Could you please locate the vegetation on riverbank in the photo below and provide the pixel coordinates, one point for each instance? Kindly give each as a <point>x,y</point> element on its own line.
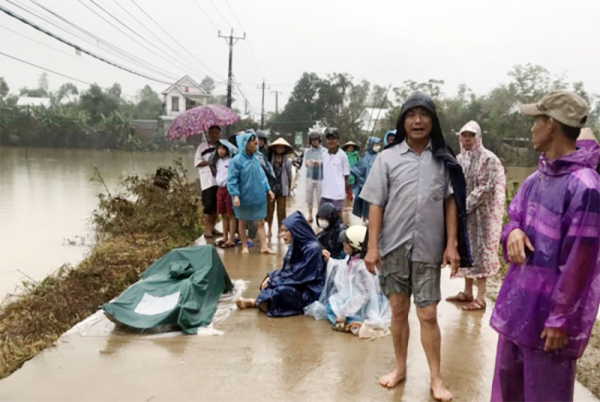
<point>134,228</point>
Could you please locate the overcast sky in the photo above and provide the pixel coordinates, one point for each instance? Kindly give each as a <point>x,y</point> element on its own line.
<point>462,41</point>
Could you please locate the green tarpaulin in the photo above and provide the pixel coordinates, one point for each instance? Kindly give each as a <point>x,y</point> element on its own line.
<point>181,288</point>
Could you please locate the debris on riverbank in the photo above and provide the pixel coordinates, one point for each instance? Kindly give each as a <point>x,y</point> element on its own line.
<point>134,228</point>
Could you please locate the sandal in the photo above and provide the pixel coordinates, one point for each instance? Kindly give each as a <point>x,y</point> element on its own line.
<point>461,297</point>
<point>474,306</point>
<point>218,243</point>
<point>208,236</point>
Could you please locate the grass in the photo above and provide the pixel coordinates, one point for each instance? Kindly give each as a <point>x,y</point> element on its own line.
<point>134,228</point>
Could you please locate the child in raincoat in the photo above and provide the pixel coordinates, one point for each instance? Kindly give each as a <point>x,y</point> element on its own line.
<point>351,295</point>
<point>351,150</point>
<point>220,167</point>
<point>331,224</point>
<point>286,291</point>
<point>360,172</point>
<point>247,184</point>
<point>282,167</point>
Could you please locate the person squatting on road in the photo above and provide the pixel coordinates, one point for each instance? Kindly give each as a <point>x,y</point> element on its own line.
<point>286,291</point>
<point>549,300</point>
<point>247,184</point>
<point>486,194</point>
<point>352,295</point>
<point>416,190</point>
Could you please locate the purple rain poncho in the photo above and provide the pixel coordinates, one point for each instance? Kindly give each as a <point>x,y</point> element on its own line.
<point>558,208</point>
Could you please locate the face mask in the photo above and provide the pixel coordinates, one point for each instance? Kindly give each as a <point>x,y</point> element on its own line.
<point>323,223</point>
<point>376,147</point>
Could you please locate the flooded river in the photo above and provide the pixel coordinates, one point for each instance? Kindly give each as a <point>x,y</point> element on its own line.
<point>47,197</point>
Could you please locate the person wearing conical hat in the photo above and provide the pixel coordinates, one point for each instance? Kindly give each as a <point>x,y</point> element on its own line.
<point>282,166</point>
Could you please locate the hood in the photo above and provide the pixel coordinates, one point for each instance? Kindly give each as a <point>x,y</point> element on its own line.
<point>472,127</point>
<point>301,232</point>
<point>385,137</point>
<point>372,141</point>
<point>420,99</point>
<point>232,148</point>
<point>587,155</point>
<point>327,211</point>
<point>242,141</point>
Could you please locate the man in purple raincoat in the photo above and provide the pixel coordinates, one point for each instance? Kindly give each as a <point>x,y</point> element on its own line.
<point>549,300</point>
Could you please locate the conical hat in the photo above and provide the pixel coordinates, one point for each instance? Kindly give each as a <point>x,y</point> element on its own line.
<point>346,145</point>
<point>281,141</point>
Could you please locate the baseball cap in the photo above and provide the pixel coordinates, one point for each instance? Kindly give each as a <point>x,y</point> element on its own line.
<point>332,133</point>
<point>565,107</point>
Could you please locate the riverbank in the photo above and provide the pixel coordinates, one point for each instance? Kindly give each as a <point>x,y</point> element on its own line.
<point>131,236</point>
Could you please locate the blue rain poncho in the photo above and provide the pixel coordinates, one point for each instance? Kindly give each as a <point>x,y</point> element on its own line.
<point>300,281</point>
<point>247,180</point>
<point>386,140</point>
<point>353,293</point>
<point>361,171</point>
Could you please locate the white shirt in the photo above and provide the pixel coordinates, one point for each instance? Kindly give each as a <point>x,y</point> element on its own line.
<point>222,169</point>
<point>203,153</point>
<point>335,170</point>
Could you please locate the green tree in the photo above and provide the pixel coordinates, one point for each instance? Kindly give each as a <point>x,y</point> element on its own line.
<point>43,83</point>
<point>208,84</point>
<point>4,89</point>
<point>149,105</point>
<point>63,91</point>
<point>99,103</point>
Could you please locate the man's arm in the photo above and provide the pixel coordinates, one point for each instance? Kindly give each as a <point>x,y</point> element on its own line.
<point>451,255</point>
<point>372,259</point>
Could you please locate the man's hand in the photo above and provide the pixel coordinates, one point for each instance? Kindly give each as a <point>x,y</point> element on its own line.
<point>372,259</point>
<point>515,246</point>
<point>236,201</point>
<point>555,338</point>
<point>326,255</point>
<point>452,258</point>
<point>265,283</point>
<point>271,196</point>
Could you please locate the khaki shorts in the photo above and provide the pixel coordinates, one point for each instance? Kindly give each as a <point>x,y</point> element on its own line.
<point>399,274</point>
<point>313,191</point>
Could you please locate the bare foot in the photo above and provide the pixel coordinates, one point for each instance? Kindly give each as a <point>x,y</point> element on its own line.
<point>242,303</point>
<point>245,250</point>
<point>393,378</point>
<point>439,391</point>
<point>267,250</point>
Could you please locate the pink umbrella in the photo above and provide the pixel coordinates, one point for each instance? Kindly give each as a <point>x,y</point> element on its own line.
<point>197,120</point>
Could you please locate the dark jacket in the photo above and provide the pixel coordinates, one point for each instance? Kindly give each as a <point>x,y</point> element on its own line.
<point>445,154</point>
<point>329,238</point>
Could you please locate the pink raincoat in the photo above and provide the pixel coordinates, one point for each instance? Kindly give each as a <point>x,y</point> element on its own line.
<point>486,193</point>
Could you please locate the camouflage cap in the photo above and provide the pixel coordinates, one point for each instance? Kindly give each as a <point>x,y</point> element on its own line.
<point>565,107</point>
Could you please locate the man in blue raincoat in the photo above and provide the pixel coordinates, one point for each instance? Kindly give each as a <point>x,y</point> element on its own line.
<point>389,138</point>
<point>247,184</point>
<point>360,171</point>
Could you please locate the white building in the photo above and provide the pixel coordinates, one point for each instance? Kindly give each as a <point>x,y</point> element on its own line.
<point>26,101</point>
<point>372,118</point>
<point>183,95</point>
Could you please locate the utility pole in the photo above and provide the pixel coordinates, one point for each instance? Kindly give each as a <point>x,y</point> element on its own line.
<point>230,42</point>
<point>262,114</point>
<point>276,101</point>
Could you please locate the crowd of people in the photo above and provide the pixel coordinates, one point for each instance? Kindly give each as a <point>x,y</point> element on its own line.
<point>423,208</point>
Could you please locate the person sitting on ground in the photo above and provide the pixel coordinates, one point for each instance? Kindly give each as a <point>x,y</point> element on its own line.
<point>282,165</point>
<point>352,294</point>
<point>220,167</point>
<point>286,291</point>
<point>331,224</point>
<point>247,185</point>
<point>361,171</point>
<point>351,149</point>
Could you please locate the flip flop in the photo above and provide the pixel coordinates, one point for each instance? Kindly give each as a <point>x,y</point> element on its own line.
<point>474,306</point>
<point>219,243</point>
<point>215,232</point>
<point>461,297</point>
<point>208,236</point>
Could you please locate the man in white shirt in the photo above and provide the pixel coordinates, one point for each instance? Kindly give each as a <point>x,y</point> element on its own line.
<point>336,170</point>
<point>207,181</point>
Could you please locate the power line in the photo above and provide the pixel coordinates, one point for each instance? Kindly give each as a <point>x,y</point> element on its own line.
<point>204,12</point>
<point>76,47</point>
<point>147,29</point>
<point>176,41</point>
<point>222,16</point>
<point>190,65</point>
<point>235,16</point>
<point>45,69</point>
<point>121,53</point>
